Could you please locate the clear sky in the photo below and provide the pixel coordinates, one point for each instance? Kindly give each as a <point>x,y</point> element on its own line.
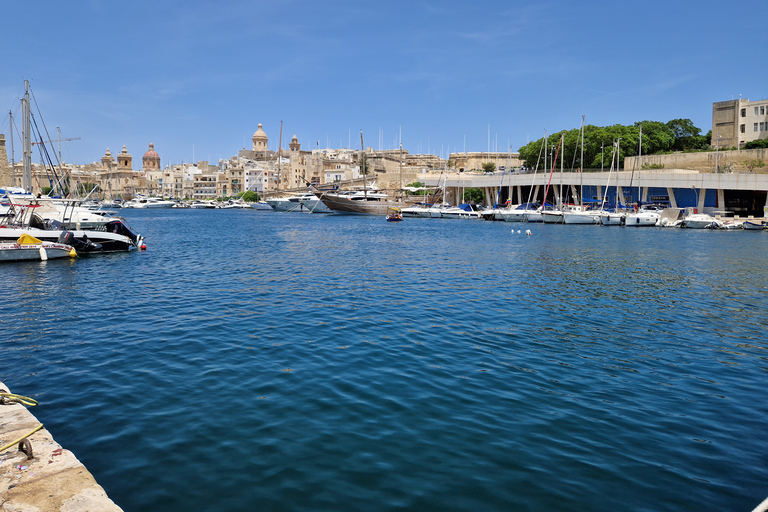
<point>196,77</point>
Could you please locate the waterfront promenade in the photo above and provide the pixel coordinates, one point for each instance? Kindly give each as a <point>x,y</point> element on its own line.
<point>53,480</point>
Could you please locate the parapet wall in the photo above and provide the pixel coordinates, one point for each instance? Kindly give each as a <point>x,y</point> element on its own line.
<point>704,161</point>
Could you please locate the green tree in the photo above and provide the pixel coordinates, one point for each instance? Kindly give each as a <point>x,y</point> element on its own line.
<point>249,196</point>
<point>687,136</point>
<point>489,167</point>
<point>756,144</point>
<point>473,195</point>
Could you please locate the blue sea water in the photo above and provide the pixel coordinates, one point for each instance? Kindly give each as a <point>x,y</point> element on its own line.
<point>289,362</point>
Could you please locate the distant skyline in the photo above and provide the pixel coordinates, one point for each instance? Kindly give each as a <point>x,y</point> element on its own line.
<point>196,78</point>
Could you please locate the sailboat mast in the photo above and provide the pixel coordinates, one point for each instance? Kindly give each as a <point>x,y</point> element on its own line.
<point>26,133</point>
<point>581,166</point>
<point>363,166</point>
<point>562,158</point>
<point>13,155</point>
<point>279,150</point>
<point>639,168</point>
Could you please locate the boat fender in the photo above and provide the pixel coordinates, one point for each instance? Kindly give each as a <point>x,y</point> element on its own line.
<point>43,254</point>
<point>72,253</point>
<point>143,247</point>
<point>528,232</point>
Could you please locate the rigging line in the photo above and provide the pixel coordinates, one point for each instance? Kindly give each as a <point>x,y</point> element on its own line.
<point>45,156</point>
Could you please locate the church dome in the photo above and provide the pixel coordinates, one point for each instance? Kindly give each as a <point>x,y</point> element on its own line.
<point>259,134</point>
<point>151,153</point>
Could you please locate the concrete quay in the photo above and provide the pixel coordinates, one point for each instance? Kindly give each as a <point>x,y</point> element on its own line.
<point>54,480</point>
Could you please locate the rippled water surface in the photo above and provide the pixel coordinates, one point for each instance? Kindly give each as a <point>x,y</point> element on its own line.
<point>288,362</point>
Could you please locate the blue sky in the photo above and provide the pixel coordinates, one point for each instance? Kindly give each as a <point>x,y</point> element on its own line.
<point>196,78</point>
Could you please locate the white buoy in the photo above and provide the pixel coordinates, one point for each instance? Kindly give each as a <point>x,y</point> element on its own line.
<point>518,230</point>
<point>528,232</point>
<point>43,254</point>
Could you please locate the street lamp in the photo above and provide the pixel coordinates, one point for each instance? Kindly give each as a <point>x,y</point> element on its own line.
<point>717,149</point>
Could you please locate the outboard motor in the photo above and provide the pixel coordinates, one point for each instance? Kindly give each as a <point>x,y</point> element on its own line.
<point>84,245</point>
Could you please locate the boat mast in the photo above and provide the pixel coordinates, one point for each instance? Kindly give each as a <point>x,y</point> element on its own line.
<point>581,167</point>
<point>26,135</point>
<point>13,156</point>
<point>562,158</point>
<point>363,166</point>
<point>279,150</point>
<point>639,168</point>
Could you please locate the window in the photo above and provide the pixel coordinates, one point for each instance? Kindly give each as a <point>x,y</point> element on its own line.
<point>756,109</point>
<point>743,128</point>
<point>743,112</point>
<point>762,111</point>
<point>761,126</point>
<point>755,128</point>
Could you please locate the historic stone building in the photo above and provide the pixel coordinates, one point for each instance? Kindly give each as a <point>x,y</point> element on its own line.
<point>736,122</point>
<point>151,160</point>
<point>260,141</point>
<point>5,167</point>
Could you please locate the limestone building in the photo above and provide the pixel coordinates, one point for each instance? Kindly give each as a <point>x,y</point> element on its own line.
<point>151,160</point>
<point>736,122</point>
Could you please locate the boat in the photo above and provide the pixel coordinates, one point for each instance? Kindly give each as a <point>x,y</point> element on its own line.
<point>463,211</point>
<point>362,202</point>
<point>394,215</point>
<point>695,220</point>
<point>149,202</point>
<point>203,204</point>
<point>612,214</point>
<point>550,214</point>
<point>306,202</point>
<point>262,206</point>
<point>417,210</point>
<point>518,212</point>
<point>114,235</point>
<point>671,217</point>
<point>68,212</point>
<point>646,215</point>
<point>237,204</point>
<point>754,225</point>
<point>28,247</point>
<point>580,214</point>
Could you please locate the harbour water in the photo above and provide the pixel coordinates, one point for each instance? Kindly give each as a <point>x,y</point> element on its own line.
<point>291,362</point>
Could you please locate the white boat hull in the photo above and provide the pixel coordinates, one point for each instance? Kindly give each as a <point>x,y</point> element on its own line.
<point>33,252</point>
<point>641,219</point>
<point>581,218</point>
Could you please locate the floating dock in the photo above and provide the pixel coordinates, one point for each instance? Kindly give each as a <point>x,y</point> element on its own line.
<point>52,480</point>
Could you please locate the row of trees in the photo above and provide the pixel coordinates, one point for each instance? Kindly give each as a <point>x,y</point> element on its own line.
<point>658,137</point>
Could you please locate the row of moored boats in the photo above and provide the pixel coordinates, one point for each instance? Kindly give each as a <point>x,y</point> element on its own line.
<point>42,228</point>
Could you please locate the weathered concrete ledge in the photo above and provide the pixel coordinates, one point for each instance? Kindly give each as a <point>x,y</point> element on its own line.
<point>54,480</point>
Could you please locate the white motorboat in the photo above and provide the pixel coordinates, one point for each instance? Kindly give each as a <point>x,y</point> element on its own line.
<point>203,204</point>
<point>262,206</point>
<point>418,210</point>
<point>149,202</point>
<point>699,220</point>
<point>28,247</point>
<point>237,204</point>
<point>67,212</point>
<point>464,211</point>
<point>306,202</point>
<point>647,215</point>
<point>577,214</point>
